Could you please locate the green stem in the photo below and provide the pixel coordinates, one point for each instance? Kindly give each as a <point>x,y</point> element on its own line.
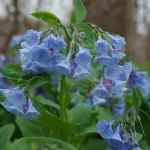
<point>62,98</point>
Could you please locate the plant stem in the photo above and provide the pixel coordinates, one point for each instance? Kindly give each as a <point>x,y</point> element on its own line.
<point>62,98</point>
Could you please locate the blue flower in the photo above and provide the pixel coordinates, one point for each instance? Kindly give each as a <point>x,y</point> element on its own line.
<point>116,55</point>
<point>30,67</point>
<point>117,41</point>
<point>101,45</point>
<point>81,72</point>
<point>40,53</point>
<point>105,129</point>
<point>102,59</point>
<point>115,142</point>
<point>17,104</point>
<point>16,40</point>
<point>53,43</point>
<point>119,107</point>
<point>39,59</point>
<point>31,38</point>
<point>83,57</point>
<point>139,79</point>
<point>112,72</point>
<point>100,91</point>
<point>64,66</point>
<point>126,71</point>
<point>98,101</point>
<point>118,87</point>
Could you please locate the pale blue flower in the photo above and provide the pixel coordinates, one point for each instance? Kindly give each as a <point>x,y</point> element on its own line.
<point>112,72</point>
<point>104,128</point>
<point>115,142</point>
<point>54,43</point>
<point>81,72</point>
<point>83,57</point>
<point>17,104</point>
<point>117,41</point>
<point>31,38</point>
<point>101,45</point>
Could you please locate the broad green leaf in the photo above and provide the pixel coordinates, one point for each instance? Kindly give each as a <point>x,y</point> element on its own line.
<point>41,143</point>
<point>47,17</point>
<point>145,118</point>
<point>60,128</point>
<point>81,115</point>
<point>29,128</point>
<point>11,75</point>
<point>79,138</point>
<point>5,135</point>
<point>79,10</point>
<point>73,19</point>
<point>22,80</point>
<point>96,144</point>
<point>136,98</point>
<point>89,39</point>
<point>144,145</point>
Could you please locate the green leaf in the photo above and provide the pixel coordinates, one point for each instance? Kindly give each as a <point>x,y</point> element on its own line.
<point>96,144</point>
<point>89,40</point>
<point>11,75</point>
<point>79,138</point>
<point>79,10</point>
<point>2,98</point>
<point>145,118</point>
<point>61,129</point>
<point>46,101</point>
<point>73,19</point>
<point>22,80</point>
<point>136,98</point>
<point>47,17</point>
<point>29,128</point>
<point>5,135</point>
<point>81,115</point>
<point>38,143</point>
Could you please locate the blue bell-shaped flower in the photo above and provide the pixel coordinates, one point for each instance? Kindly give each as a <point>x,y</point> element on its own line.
<point>64,66</point>
<point>118,87</point>
<point>54,43</point>
<point>117,41</point>
<point>116,142</point>
<point>102,59</point>
<point>100,91</point>
<point>31,38</point>
<point>17,104</point>
<point>83,57</point>
<point>101,45</point>
<point>30,111</point>
<point>112,72</point>
<point>104,128</point>
<point>81,72</point>
<point>40,53</point>
<point>30,67</point>
<point>126,71</point>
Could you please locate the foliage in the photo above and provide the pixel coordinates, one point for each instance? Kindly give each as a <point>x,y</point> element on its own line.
<point>72,93</point>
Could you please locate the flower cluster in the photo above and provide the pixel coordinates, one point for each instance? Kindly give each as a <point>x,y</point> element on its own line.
<point>117,136</point>
<point>115,76</point>
<point>44,56</point>
<point>16,103</point>
<point>139,79</point>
